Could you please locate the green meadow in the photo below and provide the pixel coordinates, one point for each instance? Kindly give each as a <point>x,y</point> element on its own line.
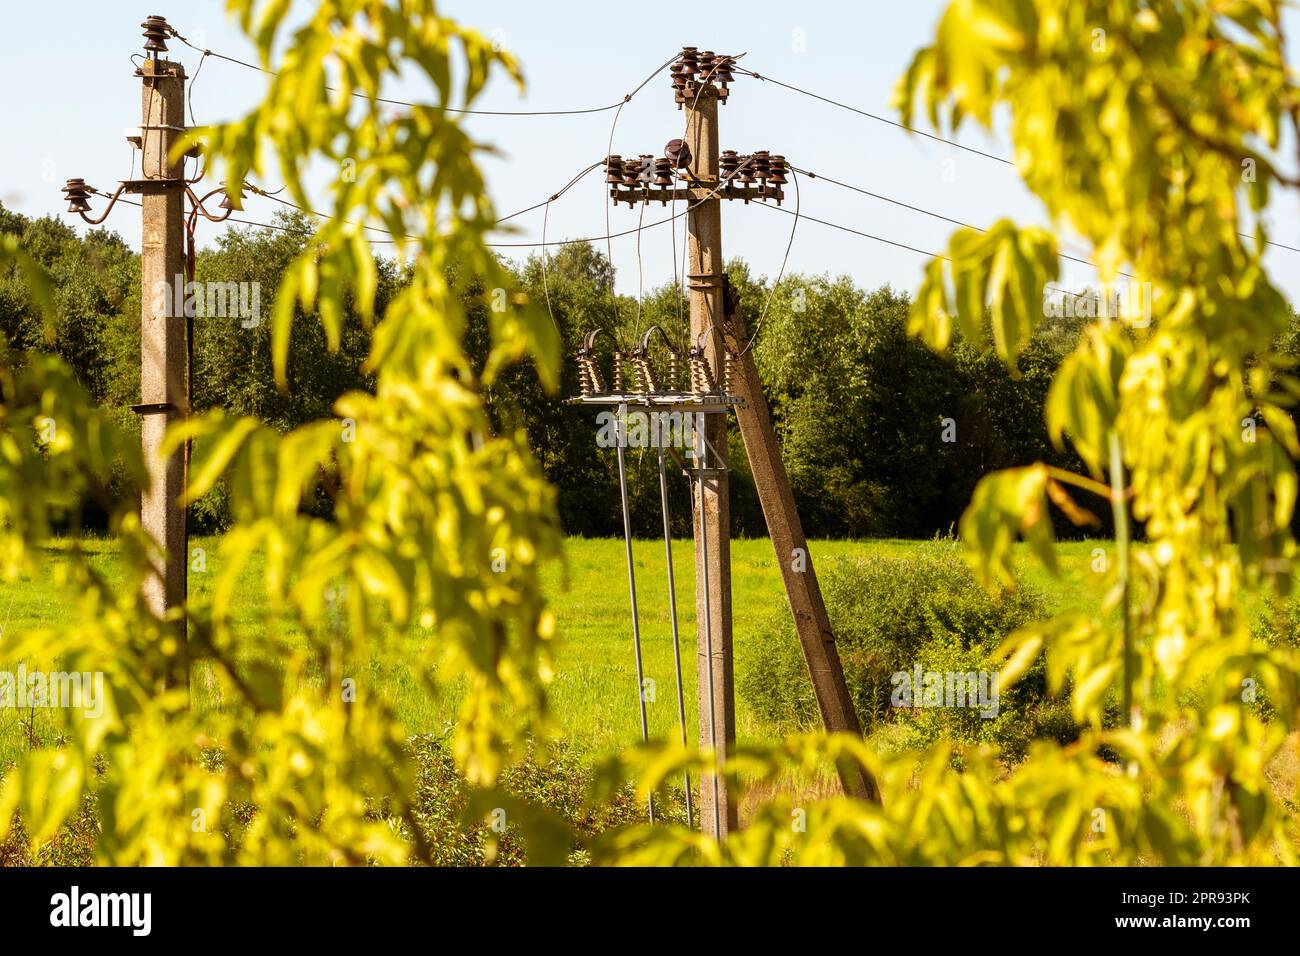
<point>593,694</point>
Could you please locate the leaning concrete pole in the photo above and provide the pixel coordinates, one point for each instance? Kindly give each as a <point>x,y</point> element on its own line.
<point>163,388</point>
<point>711,507</point>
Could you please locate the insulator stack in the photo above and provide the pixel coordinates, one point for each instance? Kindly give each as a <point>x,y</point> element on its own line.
<point>78,195</point>
<point>728,162</point>
<point>590,381</point>
<point>663,172</point>
<point>690,63</point>
<point>706,66</point>
<point>618,372</point>
<point>155,35</point>
<point>761,165</point>
<point>614,170</point>
<point>674,360</point>
<point>645,170</point>
<point>631,170</point>
<point>679,84</point>
<point>694,70</point>
<point>729,373</point>
<point>702,380</point>
<point>643,373</point>
<point>746,168</point>
<point>777,171</point>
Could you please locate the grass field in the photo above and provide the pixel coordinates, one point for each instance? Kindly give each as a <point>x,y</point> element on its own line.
<point>594,692</point>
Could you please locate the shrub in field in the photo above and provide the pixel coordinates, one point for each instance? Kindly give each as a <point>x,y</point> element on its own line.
<point>460,832</point>
<point>892,614</point>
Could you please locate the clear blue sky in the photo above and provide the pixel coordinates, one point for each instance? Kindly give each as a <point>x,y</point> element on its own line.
<point>578,55</point>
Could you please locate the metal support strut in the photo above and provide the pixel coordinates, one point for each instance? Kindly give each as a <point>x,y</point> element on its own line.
<point>702,452</point>
<point>631,585</point>
<point>672,611</point>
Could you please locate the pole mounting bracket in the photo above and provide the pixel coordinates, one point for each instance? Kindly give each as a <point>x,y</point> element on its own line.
<point>154,408</point>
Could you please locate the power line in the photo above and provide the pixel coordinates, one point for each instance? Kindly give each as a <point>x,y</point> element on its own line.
<point>448,109</point>
<point>958,222</point>
<point>875,116</point>
<point>856,232</point>
<point>900,245</point>
<point>519,212</point>
<point>939,139</point>
<point>931,213</point>
<point>798,202</point>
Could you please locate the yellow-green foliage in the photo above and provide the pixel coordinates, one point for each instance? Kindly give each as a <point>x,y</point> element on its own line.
<point>426,500</point>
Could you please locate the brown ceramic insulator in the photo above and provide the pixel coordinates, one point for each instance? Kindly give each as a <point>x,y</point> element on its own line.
<point>77,193</point>
<point>663,172</point>
<point>679,153</point>
<point>689,62</point>
<point>613,169</point>
<point>644,373</point>
<point>727,164</point>
<point>707,62</point>
<point>729,373</point>
<point>701,375</point>
<point>761,164</point>
<point>618,372</point>
<point>155,34</point>
<point>631,170</point>
<point>236,204</point>
<point>722,69</point>
<point>777,170</point>
<point>746,174</point>
<point>593,372</point>
<point>645,170</point>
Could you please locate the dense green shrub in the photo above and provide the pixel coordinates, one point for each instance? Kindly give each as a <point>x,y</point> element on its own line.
<point>561,783</point>
<point>891,614</point>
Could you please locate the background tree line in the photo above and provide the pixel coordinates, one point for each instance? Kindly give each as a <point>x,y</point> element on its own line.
<point>862,410</point>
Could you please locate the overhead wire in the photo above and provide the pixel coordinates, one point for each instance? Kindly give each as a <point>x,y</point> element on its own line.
<point>609,234</point>
<point>957,222</point>
<point>875,116</point>
<point>798,202</point>
<point>900,245</point>
<point>928,212</point>
<point>449,109</point>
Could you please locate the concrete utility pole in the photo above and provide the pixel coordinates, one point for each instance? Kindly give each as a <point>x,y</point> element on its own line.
<point>711,506</point>
<point>786,531</point>
<point>722,378</point>
<point>164,392</point>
